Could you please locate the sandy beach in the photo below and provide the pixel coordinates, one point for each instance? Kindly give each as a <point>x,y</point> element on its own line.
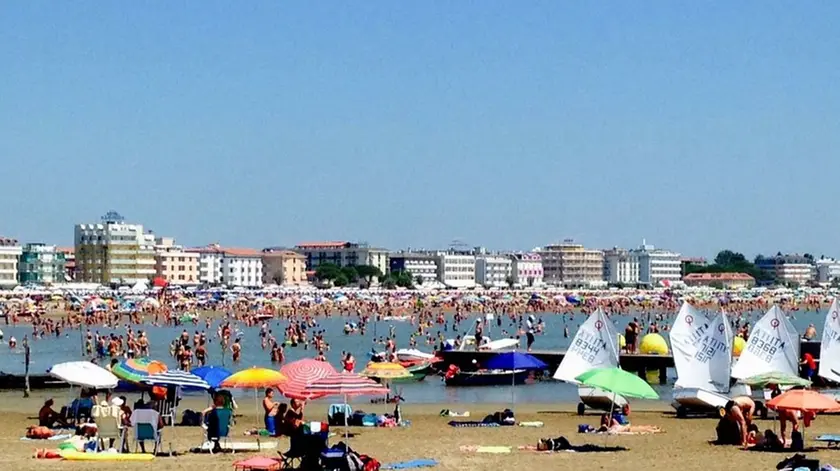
<point>683,446</point>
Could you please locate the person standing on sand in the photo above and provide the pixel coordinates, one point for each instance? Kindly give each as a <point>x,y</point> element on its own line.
<point>740,411</point>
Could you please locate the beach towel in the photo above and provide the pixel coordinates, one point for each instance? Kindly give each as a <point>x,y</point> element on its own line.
<point>63,436</point>
<point>485,449</point>
<point>831,439</point>
<point>455,423</point>
<point>452,413</point>
<point>576,449</point>
<point>531,424</point>
<point>411,464</point>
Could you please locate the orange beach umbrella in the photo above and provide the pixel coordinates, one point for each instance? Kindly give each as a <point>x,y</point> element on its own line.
<point>804,400</point>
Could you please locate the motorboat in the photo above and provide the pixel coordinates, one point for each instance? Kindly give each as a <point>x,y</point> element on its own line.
<point>457,377</point>
<point>412,354</point>
<point>595,345</point>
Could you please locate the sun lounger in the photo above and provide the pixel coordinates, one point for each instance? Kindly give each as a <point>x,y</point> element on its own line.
<point>472,424</point>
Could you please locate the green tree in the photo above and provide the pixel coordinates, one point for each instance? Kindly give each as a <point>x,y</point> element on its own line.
<point>351,274</point>
<point>369,272</point>
<point>509,281</point>
<point>327,272</point>
<point>341,280</point>
<point>418,280</point>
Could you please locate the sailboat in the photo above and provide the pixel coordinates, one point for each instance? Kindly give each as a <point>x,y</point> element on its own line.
<point>829,367</point>
<point>702,347</point>
<point>595,345</point>
<point>773,347</point>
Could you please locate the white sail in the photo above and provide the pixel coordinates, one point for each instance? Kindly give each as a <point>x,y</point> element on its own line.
<point>702,349</point>
<point>595,346</point>
<point>773,347</point>
<point>830,349</point>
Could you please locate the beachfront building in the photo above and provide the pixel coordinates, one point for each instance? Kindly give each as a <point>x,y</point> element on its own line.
<point>572,265</point>
<point>788,269</point>
<point>686,262</point>
<point>828,270</point>
<point>41,264</point>
<point>621,267</point>
<point>456,269</point>
<point>343,254</point>
<point>527,270</point>
<point>10,252</point>
<point>423,266</point>
<point>283,267</point>
<point>69,254</point>
<point>174,264</point>
<point>657,266</point>
<point>228,266</point>
<point>720,280</point>
<point>493,271</point>
<point>113,251</point>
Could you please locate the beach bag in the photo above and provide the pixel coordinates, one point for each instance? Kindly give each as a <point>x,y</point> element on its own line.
<point>370,463</point>
<point>728,433</point>
<point>191,418</point>
<point>797,443</point>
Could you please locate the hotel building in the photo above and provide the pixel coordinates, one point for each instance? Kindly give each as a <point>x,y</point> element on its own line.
<point>791,268</point>
<point>343,254</point>
<point>113,251</point>
<point>10,252</point>
<point>828,270</point>
<point>283,267</point>
<point>41,264</point>
<point>69,254</point>
<point>174,264</point>
<point>456,269</point>
<point>493,271</point>
<point>657,265</point>
<point>572,265</point>
<point>421,265</point>
<point>229,266</point>
<point>621,266</point>
<point>527,270</point>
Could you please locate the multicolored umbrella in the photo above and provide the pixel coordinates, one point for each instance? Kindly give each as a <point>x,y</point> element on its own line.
<point>135,370</point>
<point>255,377</point>
<point>301,374</point>
<point>385,371</point>
<point>177,378</point>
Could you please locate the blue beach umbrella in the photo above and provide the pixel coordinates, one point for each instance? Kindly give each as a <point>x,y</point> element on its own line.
<point>515,361</point>
<point>214,375</point>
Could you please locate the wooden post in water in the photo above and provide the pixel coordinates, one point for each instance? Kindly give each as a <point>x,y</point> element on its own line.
<point>26,365</point>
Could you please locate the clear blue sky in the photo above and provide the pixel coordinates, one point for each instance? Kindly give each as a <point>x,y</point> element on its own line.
<point>696,125</point>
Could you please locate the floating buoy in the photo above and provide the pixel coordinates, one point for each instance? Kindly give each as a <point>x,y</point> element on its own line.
<point>621,341</point>
<point>653,344</point>
<point>738,344</point>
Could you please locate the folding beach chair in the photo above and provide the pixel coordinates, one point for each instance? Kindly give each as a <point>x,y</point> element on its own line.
<point>109,426</point>
<point>305,450</point>
<point>145,423</point>
<point>218,427</point>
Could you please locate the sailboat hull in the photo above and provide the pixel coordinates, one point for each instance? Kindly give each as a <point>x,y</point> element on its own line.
<point>599,399</point>
<point>696,400</point>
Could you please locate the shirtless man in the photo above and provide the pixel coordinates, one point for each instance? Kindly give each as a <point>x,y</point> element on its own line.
<point>740,410</point>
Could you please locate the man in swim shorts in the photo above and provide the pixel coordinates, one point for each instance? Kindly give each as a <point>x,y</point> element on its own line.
<point>740,411</point>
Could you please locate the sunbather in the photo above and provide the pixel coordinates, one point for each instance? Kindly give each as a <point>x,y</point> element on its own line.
<point>611,425</point>
<point>47,417</point>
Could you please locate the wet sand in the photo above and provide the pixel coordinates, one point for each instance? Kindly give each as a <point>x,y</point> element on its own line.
<point>684,445</point>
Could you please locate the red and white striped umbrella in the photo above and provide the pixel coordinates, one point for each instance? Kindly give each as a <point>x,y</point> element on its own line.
<point>345,384</point>
<point>301,374</point>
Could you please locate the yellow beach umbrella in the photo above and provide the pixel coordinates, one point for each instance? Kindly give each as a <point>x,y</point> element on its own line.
<point>254,378</point>
<point>386,371</point>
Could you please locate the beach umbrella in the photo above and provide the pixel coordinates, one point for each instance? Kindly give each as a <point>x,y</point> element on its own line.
<point>84,374</point>
<point>779,379</point>
<point>805,400</point>
<point>618,381</point>
<point>135,370</point>
<point>214,375</point>
<point>347,385</point>
<point>385,371</point>
<point>177,378</point>
<point>301,374</point>
<point>514,361</point>
<point>254,377</point>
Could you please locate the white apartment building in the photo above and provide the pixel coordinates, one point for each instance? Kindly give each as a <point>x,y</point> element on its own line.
<point>113,251</point>
<point>657,265</point>
<point>229,266</point>
<point>493,271</point>
<point>791,268</point>
<point>527,270</point>
<point>456,270</point>
<point>10,252</point>
<point>572,265</point>
<point>828,270</point>
<point>343,254</point>
<point>421,265</point>
<point>621,266</point>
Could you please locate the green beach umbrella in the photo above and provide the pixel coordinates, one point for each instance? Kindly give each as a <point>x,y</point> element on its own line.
<point>780,379</point>
<point>618,381</point>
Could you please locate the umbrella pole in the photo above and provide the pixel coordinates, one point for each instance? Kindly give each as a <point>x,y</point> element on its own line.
<point>512,386</point>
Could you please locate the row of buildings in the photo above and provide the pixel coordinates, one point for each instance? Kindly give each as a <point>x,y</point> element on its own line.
<point>115,252</point>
